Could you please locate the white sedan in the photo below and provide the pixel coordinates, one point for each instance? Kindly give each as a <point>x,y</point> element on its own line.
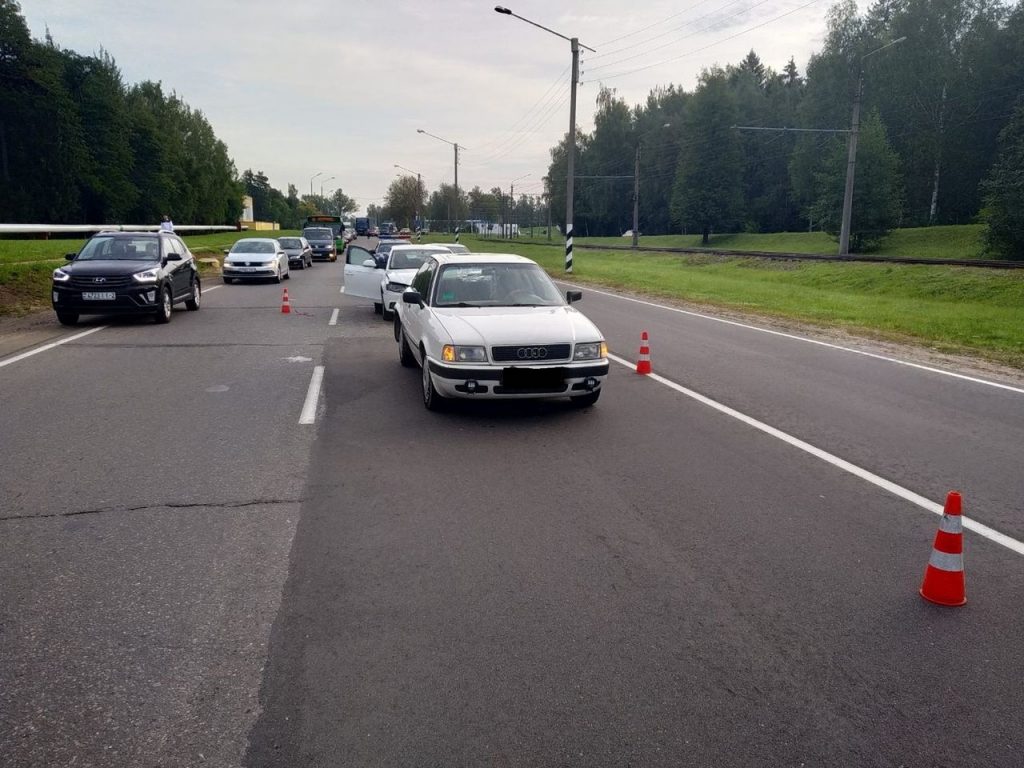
<point>495,326</point>
<point>255,258</point>
<point>383,284</point>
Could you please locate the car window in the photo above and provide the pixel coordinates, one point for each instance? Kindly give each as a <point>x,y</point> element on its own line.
<point>408,259</point>
<point>421,281</point>
<point>356,255</point>
<point>318,234</point>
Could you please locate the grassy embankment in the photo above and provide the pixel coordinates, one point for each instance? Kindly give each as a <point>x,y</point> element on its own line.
<point>953,309</point>
<point>948,308</point>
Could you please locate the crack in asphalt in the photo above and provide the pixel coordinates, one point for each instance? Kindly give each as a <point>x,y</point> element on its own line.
<point>172,505</point>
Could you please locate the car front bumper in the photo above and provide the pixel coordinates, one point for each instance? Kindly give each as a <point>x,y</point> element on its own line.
<point>520,381</point>
<point>325,254</point>
<point>128,299</point>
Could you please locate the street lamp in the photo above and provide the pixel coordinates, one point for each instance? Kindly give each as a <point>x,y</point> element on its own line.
<point>324,181</point>
<point>454,144</point>
<point>851,162</point>
<point>574,47</point>
<point>512,201</point>
<point>311,182</point>
<point>419,191</point>
<point>636,185</point>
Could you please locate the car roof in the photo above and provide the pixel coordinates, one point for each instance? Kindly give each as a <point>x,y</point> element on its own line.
<point>447,257</point>
<point>118,233</point>
<point>425,247</point>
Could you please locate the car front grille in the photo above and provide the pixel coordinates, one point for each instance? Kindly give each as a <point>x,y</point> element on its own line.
<point>105,283</point>
<point>531,353</point>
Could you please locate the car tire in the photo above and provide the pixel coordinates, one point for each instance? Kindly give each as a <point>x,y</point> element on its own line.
<point>228,280</point>
<point>404,353</point>
<point>378,308</point>
<point>163,312</point>
<point>585,401</point>
<point>192,304</point>
<point>279,277</point>
<point>67,318</point>
<point>432,401</point>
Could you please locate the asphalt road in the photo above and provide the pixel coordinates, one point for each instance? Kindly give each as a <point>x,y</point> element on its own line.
<point>192,577</point>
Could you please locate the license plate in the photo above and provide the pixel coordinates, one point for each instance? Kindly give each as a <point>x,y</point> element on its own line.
<point>532,378</point>
<point>246,269</point>
<point>99,296</point>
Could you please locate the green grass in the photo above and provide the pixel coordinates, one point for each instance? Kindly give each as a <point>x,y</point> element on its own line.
<point>24,288</point>
<point>953,309</point>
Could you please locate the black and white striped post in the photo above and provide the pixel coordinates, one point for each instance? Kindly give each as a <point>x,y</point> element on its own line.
<point>456,233</point>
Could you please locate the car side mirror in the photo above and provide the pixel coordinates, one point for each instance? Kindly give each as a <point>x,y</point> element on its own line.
<point>172,257</point>
<point>70,256</point>
<point>571,296</point>
<point>370,263</point>
<point>227,251</point>
<point>412,296</point>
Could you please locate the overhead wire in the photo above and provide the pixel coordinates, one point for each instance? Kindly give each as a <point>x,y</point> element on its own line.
<point>512,128</point>
<point>644,29</point>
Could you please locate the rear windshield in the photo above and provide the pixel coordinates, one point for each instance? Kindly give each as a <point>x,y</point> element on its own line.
<point>318,234</point>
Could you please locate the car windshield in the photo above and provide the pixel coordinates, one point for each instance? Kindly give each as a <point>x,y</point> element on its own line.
<point>318,234</point>
<point>253,246</point>
<point>290,242</point>
<point>121,248</point>
<point>496,285</point>
<point>408,259</point>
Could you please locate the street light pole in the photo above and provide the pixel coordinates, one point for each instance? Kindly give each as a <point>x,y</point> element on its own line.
<point>574,47</point>
<point>456,145</point>
<point>324,181</point>
<point>311,182</point>
<point>851,157</point>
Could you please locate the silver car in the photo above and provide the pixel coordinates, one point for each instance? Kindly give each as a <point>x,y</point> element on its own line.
<point>300,253</point>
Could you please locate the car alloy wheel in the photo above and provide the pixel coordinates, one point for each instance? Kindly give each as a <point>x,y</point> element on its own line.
<point>431,399</point>
<point>163,313</point>
<point>192,304</point>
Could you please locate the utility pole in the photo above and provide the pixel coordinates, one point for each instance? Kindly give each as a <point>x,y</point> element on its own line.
<point>574,43</point>
<point>636,197</point>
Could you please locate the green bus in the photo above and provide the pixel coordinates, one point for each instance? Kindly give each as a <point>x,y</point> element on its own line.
<point>334,223</point>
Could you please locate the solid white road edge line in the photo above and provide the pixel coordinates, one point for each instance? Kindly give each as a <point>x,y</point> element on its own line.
<point>334,317</point>
<point>49,346</point>
<point>794,337</point>
<point>213,288</point>
<point>308,415</point>
<point>983,530</point>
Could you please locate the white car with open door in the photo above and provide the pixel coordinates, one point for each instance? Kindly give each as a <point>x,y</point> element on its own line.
<point>382,281</point>
<point>494,326</point>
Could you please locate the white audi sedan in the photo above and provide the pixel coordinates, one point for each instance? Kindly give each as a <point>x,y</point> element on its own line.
<point>494,326</point>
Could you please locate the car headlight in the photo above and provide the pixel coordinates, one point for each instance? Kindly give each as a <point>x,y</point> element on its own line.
<point>270,263</point>
<point>397,287</point>
<point>594,350</point>
<point>457,354</point>
<point>60,276</point>
<point>147,276</point>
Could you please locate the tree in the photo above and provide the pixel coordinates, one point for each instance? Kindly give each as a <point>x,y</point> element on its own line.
<point>1003,213</point>
<point>707,194</point>
<point>877,196</point>
<point>404,199</point>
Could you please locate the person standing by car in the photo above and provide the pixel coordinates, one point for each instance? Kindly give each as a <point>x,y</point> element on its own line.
<point>166,225</point>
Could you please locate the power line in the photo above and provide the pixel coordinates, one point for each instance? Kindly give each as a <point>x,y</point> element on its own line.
<point>644,29</point>
<point>512,129</point>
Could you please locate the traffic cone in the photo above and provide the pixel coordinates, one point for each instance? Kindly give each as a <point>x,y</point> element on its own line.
<point>286,306</point>
<point>643,365</point>
<point>944,577</point>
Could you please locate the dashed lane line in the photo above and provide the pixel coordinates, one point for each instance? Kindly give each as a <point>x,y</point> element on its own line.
<point>308,415</point>
<point>334,317</point>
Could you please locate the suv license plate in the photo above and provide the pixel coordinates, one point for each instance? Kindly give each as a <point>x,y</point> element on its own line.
<point>99,295</point>
<point>532,378</point>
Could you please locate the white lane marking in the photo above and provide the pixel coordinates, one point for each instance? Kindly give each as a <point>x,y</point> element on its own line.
<point>51,345</point>
<point>308,415</point>
<point>214,288</point>
<point>334,317</point>
<point>981,529</point>
<point>794,337</point>
<point>342,289</point>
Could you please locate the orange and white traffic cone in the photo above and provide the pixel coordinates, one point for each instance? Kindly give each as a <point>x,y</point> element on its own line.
<point>286,306</point>
<point>643,365</point>
<point>944,577</point>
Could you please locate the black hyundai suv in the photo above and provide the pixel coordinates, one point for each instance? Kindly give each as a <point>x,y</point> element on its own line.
<point>143,273</point>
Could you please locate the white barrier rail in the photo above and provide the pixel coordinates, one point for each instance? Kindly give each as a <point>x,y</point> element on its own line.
<point>45,229</point>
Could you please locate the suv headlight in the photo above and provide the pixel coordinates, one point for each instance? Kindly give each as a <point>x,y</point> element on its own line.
<point>397,288</point>
<point>594,350</point>
<point>60,276</point>
<point>147,276</point>
<point>456,354</point>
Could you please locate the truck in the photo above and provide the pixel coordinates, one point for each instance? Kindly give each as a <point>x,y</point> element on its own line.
<point>362,225</point>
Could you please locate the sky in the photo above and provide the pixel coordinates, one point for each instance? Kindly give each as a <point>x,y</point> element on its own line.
<point>339,88</point>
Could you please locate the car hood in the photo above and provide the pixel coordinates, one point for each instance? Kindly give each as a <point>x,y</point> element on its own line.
<point>108,267</point>
<point>321,243</point>
<point>490,326</point>
<point>403,276</point>
<point>293,251</point>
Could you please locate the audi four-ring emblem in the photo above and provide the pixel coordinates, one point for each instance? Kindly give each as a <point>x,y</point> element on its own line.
<point>532,353</point>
